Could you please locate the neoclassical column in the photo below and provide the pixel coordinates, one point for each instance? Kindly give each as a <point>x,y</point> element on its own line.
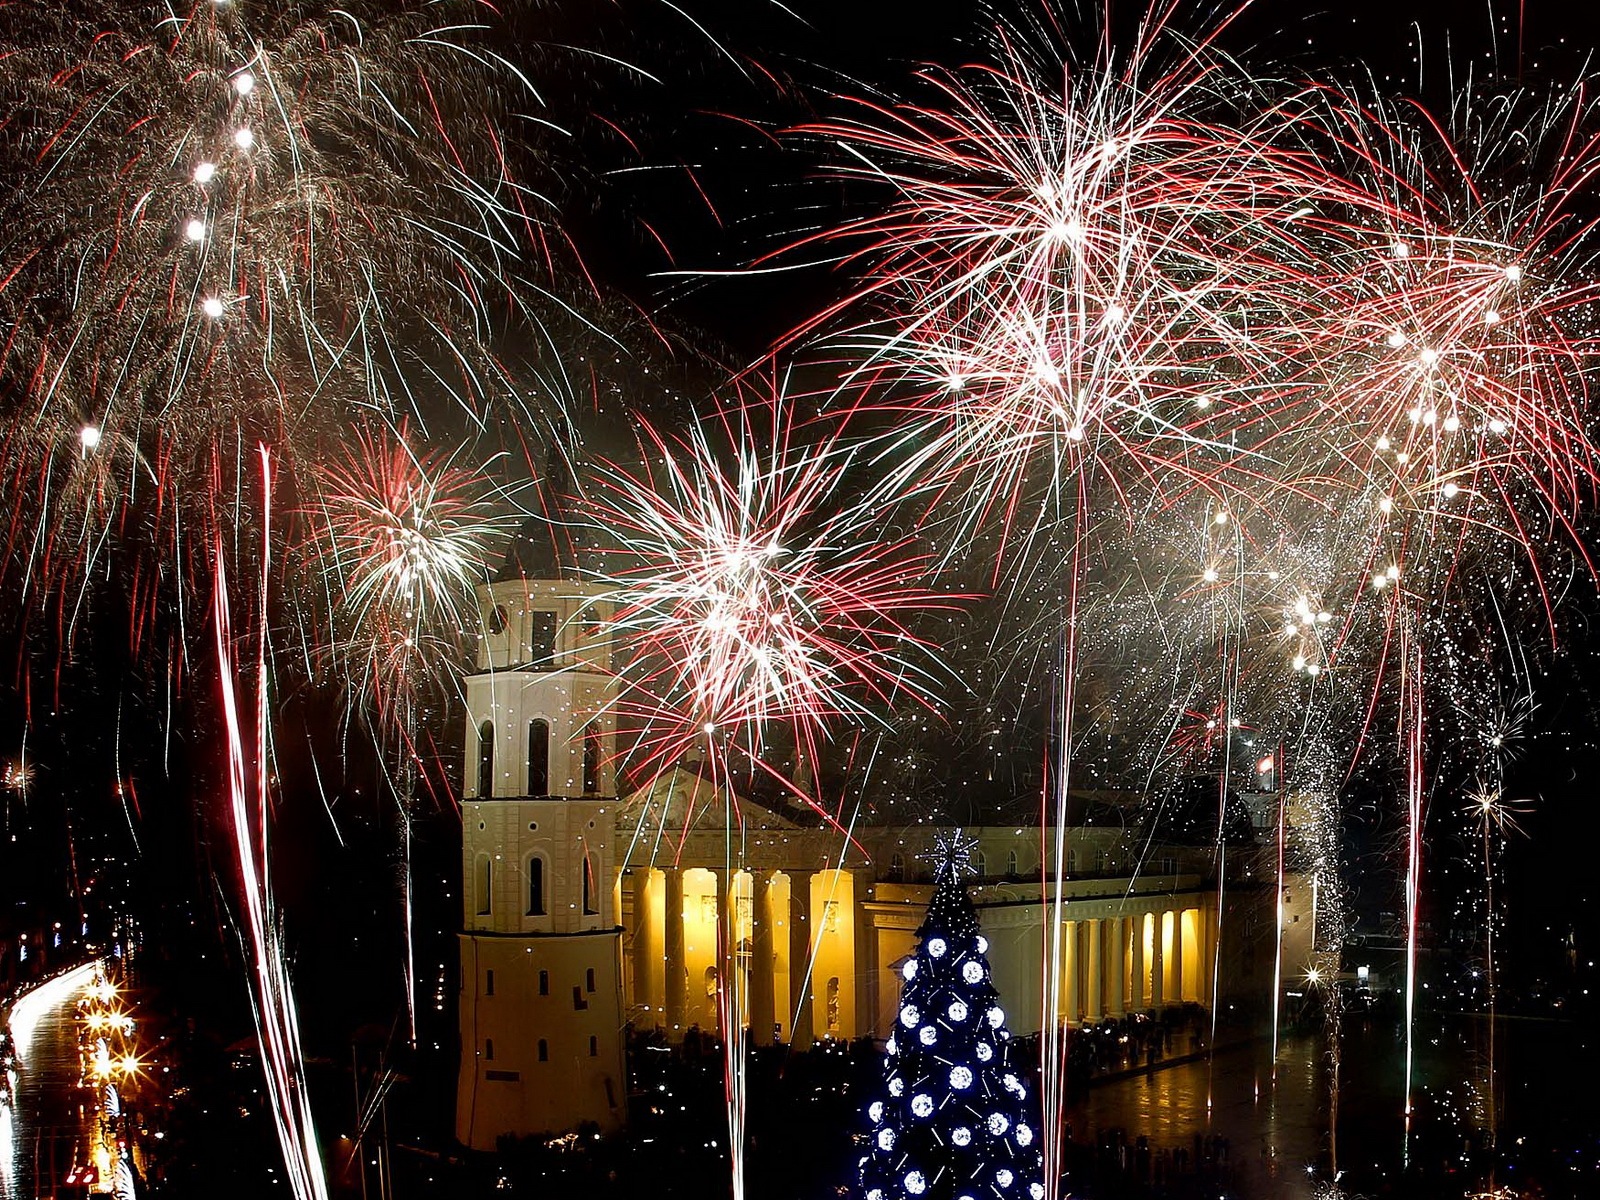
<point>1117,965</point>
<point>762,1008</point>
<point>865,943</point>
<point>1071,1010</point>
<point>1094,1006</point>
<point>1156,982</point>
<point>1139,975</point>
<point>644,954</point>
<point>1177,956</point>
<point>672,950</point>
<point>800,958</point>
<point>725,955</point>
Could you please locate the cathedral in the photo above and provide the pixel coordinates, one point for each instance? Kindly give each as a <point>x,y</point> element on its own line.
<point>587,911</point>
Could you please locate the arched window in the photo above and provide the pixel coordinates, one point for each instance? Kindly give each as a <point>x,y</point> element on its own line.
<point>544,1050</point>
<point>591,758</point>
<point>486,760</point>
<point>541,638</point>
<point>594,1047</point>
<point>589,979</point>
<point>589,906</point>
<point>1011,863</point>
<point>897,866</point>
<point>539,757</point>
<point>980,864</point>
<point>483,881</point>
<point>544,983</point>
<point>535,886</point>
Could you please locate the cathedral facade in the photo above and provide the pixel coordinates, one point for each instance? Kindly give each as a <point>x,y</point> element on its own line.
<point>586,912</point>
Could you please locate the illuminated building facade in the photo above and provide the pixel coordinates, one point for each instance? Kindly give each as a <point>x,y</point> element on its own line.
<point>586,913</point>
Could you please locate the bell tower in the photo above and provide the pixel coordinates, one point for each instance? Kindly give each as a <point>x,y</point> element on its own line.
<point>541,983</point>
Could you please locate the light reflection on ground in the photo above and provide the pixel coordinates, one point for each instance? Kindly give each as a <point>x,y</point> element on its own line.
<point>43,1126</point>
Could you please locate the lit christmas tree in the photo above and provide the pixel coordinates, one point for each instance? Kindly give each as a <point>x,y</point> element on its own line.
<point>952,1122</point>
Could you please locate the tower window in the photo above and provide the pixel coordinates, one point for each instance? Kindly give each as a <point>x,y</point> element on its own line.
<point>539,758</point>
<point>488,1049</point>
<point>897,866</point>
<point>594,1046</point>
<point>544,983</point>
<point>542,637</point>
<point>544,1050</point>
<point>486,760</point>
<point>589,977</point>
<point>497,620</point>
<point>591,758</point>
<point>1011,863</point>
<point>980,864</point>
<point>488,982</point>
<point>589,908</point>
<point>578,1002</point>
<point>535,886</point>
<point>483,884</point>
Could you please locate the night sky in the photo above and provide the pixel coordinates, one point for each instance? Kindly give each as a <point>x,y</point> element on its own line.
<point>691,171</point>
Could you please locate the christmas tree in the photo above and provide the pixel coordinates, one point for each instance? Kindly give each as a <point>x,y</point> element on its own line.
<point>952,1121</point>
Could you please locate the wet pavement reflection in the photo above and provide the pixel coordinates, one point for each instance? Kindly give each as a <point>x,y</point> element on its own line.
<point>1261,1134</point>
<point>45,1118</point>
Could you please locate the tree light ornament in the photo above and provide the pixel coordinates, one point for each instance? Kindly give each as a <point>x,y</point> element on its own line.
<point>937,947</point>
<point>928,1035</point>
<point>916,1183</point>
<point>922,1105</point>
<point>89,437</point>
<point>875,1111</point>
<point>997,1017</point>
<point>910,969</point>
<point>1023,1135</point>
<point>961,1135</point>
<point>985,1052</point>
<point>960,1077</point>
<point>983,944</point>
<point>909,1016</point>
<point>1036,1191</point>
<point>972,971</point>
<point>1004,1177</point>
<point>957,1011</point>
<point>897,1087</point>
<point>998,1124</point>
<point>886,1139</point>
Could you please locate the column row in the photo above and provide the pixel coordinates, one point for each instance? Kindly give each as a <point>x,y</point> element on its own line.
<point>1116,965</point>
<point>775,951</point>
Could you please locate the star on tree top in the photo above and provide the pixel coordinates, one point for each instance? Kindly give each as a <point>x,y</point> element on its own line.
<point>952,854</point>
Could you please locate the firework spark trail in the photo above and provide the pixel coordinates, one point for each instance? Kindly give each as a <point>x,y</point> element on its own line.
<point>733,1001</point>
<point>1144,289</point>
<point>398,543</point>
<point>228,224</point>
<point>271,996</point>
<point>1412,736</point>
<point>744,601</point>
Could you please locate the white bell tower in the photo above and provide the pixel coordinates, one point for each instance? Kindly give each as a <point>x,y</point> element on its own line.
<point>542,1025</point>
